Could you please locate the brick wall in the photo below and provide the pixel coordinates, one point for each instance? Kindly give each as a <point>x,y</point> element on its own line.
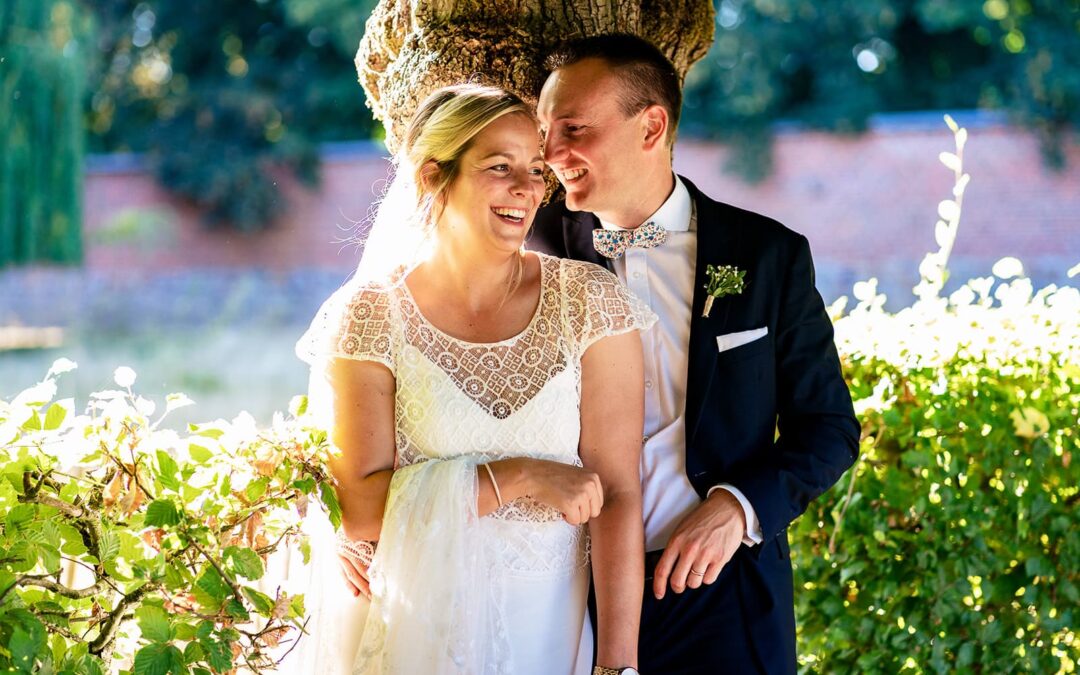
<point>867,204</point>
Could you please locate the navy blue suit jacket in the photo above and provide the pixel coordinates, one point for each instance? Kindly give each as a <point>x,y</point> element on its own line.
<point>772,417</point>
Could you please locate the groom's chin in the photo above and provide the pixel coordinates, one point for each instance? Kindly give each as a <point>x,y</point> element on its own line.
<point>575,201</point>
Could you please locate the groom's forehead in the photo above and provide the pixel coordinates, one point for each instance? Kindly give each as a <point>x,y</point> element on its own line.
<point>574,90</point>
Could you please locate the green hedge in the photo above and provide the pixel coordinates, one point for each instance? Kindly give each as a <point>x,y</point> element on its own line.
<point>952,544</point>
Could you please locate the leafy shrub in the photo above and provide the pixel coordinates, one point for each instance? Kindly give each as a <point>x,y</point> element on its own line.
<point>125,545</point>
<point>951,545</point>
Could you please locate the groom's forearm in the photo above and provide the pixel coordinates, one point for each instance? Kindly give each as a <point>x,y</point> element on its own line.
<point>618,569</point>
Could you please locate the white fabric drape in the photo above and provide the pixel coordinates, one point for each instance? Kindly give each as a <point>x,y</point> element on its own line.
<point>434,593</point>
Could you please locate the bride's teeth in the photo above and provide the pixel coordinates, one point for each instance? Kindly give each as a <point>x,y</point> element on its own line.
<point>575,173</point>
<point>512,213</point>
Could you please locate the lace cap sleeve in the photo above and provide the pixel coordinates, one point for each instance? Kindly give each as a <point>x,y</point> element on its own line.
<point>353,323</point>
<point>596,305</point>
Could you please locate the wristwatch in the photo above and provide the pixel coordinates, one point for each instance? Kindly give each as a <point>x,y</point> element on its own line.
<point>601,670</point>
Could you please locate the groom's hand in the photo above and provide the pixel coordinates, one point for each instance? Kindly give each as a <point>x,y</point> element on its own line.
<point>701,545</point>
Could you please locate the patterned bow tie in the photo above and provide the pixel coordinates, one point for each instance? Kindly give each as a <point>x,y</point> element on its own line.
<point>613,243</point>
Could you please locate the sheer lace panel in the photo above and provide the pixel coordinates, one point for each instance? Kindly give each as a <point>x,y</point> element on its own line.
<point>355,324</point>
<point>597,305</point>
<point>500,377</point>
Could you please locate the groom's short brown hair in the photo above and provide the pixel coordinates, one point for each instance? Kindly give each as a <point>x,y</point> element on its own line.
<point>647,76</point>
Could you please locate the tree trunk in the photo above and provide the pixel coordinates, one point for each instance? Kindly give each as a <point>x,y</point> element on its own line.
<point>412,47</point>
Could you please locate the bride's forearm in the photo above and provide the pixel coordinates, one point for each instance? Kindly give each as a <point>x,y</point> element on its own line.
<point>363,501</point>
<point>512,477</point>
<point>618,568</point>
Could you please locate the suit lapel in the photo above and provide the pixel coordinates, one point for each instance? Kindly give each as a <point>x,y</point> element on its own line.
<point>716,245</point>
<point>577,233</point>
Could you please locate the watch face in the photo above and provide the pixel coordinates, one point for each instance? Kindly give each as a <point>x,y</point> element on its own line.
<point>629,671</point>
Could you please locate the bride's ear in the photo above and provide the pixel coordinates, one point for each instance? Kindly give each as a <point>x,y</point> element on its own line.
<point>429,176</point>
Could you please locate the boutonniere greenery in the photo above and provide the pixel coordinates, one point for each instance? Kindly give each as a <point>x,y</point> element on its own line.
<point>723,280</point>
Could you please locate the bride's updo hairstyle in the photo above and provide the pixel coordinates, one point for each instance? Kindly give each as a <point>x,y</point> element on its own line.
<point>441,131</point>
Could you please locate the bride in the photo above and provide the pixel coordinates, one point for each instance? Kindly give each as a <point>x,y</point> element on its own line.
<point>486,403</point>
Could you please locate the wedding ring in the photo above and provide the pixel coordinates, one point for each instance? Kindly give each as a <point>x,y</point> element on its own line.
<point>694,571</point>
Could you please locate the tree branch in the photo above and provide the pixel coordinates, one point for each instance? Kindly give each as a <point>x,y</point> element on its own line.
<point>116,617</point>
<point>232,584</point>
<point>60,589</point>
<point>55,628</point>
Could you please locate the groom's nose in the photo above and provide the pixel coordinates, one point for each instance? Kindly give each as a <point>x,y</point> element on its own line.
<point>553,149</point>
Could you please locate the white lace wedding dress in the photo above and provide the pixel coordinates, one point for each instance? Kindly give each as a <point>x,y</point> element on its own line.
<point>454,593</point>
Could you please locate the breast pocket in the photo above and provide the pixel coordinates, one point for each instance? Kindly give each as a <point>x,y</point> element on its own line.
<point>735,347</point>
<point>744,392</point>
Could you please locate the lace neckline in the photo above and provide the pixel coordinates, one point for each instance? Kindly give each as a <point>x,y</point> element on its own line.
<point>507,341</point>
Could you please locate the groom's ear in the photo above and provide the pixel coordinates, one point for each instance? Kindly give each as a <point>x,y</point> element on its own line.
<point>654,126</point>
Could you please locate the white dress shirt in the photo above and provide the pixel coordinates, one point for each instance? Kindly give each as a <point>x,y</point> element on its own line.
<point>663,277</point>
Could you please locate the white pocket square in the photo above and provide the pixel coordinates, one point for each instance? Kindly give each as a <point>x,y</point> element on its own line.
<point>733,340</point>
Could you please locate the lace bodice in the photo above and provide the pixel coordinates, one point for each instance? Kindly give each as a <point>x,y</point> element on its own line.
<point>518,397</point>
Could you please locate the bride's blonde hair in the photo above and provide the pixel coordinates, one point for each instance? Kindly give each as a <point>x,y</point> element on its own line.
<point>441,131</point>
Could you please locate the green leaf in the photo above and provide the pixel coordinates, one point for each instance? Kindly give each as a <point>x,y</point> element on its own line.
<point>28,639</point>
<point>296,606</point>
<point>184,631</point>
<point>263,603</point>
<point>305,485</point>
<point>199,453</point>
<point>226,486</point>
<point>209,432</point>
<point>329,499</point>
<point>210,589</point>
<point>218,654</point>
<point>20,515</point>
<point>32,424</point>
<point>244,562</point>
<point>161,513</point>
<point>236,610</point>
<point>50,557</point>
<point>204,630</point>
<point>256,489</point>
<point>110,544</point>
<point>154,623</point>
<point>73,544</point>
<point>167,470</point>
<point>298,405</point>
<point>159,659</point>
<point>193,653</point>
<point>55,415</point>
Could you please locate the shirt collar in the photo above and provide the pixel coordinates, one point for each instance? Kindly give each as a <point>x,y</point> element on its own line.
<point>673,215</point>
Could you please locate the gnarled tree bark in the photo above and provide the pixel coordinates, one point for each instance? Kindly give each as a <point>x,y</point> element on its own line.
<point>412,47</point>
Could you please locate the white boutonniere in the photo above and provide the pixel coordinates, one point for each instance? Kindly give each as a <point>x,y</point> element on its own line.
<point>723,280</point>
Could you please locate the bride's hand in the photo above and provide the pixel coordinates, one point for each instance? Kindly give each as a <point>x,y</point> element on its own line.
<point>574,491</point>
<point>354,557</point>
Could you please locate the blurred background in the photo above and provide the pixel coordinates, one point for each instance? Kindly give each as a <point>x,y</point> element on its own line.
<point>181,184</point>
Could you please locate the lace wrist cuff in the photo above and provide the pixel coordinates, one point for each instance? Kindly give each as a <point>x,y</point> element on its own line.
<point>357,549</point>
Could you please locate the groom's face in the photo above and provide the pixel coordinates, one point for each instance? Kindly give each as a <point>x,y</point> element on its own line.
<point>589,142</point>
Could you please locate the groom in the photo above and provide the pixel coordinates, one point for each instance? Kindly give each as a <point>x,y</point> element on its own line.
<point>747,417</point>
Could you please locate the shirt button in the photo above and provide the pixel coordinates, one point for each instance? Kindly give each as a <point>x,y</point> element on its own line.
<point>648,384</point>
<point>644,440</point>
<point>637,275</point>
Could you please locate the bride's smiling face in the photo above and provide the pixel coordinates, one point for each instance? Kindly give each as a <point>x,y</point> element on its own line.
<point>493,199</point>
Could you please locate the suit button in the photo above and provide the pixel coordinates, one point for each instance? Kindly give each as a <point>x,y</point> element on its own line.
<point>648,384</point>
